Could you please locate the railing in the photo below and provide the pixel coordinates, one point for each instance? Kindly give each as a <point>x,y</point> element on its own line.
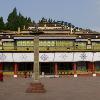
<point>49,48</point>
<point>25,48</point>
<point>10,73</point>
<point>8,47</point>
<point>96,47</point>
<point>65,72</point>
<point>25,74</point>
<point>81,72</point>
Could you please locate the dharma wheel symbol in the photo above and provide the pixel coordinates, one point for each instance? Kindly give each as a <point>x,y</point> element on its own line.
<point>83,56</point>
<point>44,57</point>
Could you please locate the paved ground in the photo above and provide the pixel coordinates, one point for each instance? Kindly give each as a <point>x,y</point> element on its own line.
<point>69,88</point>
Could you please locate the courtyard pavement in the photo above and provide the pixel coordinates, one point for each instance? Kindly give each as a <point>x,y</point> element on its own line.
<point>66,88</point>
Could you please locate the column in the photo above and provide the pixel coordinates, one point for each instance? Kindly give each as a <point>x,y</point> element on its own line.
<point>90,66</point>
<point>74,68</point>
<point>36,86</point>
<point>36,58</point>
<point>1,71</point>
<point>15,69</point>
<point>93,70</point>
<point>56,70</point>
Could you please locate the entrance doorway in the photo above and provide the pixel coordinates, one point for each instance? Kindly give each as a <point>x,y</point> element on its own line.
<point>25,69</point>
<point>8,69</point>
<point>65,68</point>
<point>25,66</point>
<point>84,67</point>
<point>47,68</point>
<point>97,67</point>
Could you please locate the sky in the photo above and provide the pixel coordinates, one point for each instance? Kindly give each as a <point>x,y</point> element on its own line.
<point>81,13</point>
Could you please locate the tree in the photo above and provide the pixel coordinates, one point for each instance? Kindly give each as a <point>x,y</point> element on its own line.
<point>17,20</point>
<point>29,22</point>
<point>12,20</point>
<point>21,21</point>
<point>2,25</point>
<point>50,20</point>
<point>43,20</point>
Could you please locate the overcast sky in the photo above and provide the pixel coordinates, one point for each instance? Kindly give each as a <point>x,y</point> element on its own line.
<point>82,13</point>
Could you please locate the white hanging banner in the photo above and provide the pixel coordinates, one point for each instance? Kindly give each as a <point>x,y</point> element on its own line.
<point>50,57</point>
<point>63,57</point>
<point>1,57</point>
<point>46,57</point>
<point>83,56</point>
<point>23,57</point>
<point>96,56</point>
<point>7,57</point>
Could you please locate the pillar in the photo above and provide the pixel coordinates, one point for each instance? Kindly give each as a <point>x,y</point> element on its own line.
<point>56,70</point>
<point>1,71</point>
<point>74,68</point>
<point>90,66</point>
<point>1,68</point>
<point>15,69</point>
<point>36,68</point>
<point>36,86</point>
<point>93,70</point>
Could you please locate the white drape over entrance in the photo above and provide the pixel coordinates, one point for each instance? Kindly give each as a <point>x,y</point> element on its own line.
<point>46,57</point>
<point>96,56</point>
<point>83,56</point>
<point>23,57</point>
<point>63,57</point>
<point>6,57</point>
<point>51,57</point>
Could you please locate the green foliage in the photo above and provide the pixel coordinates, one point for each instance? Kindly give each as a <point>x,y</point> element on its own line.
<point>2,25</point>
<point>17,20</point>
<point>43,21</point>
<point>12,20</point>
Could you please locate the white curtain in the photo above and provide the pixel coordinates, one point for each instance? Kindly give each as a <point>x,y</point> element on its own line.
<point>96,56</point>
<point>23,57</point>
<point>63,57</point>
<point>83,56</point>
<point>50,57</point>
<point>46,57</point>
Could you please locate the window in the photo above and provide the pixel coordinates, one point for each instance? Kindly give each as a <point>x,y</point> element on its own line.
<point>6,43</point>
<point>64,43</point>
<point>46,43</point>
<point>25,43</point>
